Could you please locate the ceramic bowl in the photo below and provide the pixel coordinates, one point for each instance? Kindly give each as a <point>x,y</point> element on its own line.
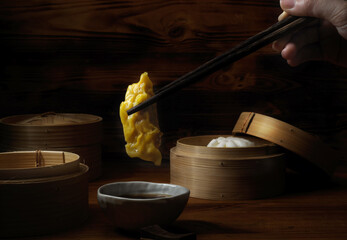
<point>134,205</point>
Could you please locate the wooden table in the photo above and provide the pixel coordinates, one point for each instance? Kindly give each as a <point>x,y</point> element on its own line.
<point>304,211</point>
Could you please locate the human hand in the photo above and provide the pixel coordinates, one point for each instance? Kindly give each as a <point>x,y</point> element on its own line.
<point>324,40</point>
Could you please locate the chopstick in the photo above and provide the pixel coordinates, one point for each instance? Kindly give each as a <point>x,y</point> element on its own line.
<point>247,47</point>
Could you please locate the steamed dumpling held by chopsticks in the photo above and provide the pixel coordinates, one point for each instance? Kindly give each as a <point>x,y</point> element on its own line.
<point>141,129</point>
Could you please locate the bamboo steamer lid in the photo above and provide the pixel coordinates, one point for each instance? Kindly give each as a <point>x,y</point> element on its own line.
<point>38,206</point>
<point>316,158</point>
<point>227,173</point>
<point>50,130</point>
<point>77,133</point>
<point>37,164</point>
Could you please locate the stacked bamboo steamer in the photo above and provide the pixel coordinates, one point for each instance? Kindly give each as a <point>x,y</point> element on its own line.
<point>77,133</point>
<point>249,172</point>
<point>42,192</point>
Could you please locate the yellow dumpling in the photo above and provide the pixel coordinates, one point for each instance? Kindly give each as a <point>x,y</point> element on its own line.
<point>141,129</point>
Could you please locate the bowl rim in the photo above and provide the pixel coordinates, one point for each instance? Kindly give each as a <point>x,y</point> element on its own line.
<point>99,194</point>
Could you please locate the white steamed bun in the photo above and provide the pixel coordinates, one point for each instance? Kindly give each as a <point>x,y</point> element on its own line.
<point>230,142</point>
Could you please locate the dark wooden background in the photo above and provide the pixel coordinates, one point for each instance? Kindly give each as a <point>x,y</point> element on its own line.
<point>80,55</point>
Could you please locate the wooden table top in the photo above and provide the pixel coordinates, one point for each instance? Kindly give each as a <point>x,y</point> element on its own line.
<point>304,211</point>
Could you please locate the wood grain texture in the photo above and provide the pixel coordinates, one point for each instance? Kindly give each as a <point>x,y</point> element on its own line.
<point>303,211</point>
<point>79,56</point>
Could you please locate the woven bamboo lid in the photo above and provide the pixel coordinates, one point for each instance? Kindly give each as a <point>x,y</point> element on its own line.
<point>316,157</point>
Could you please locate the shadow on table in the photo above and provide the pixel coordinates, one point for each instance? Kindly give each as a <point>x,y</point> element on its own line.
<point>192,228</point>
<point>203,227</point>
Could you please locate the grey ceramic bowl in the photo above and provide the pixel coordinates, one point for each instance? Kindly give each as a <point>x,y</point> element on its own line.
<point>133,205</point>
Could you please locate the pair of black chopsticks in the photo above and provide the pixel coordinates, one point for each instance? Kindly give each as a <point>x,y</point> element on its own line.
<point>247,47</point>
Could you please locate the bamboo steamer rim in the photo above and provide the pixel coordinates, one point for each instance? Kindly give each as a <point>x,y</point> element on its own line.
<point>213,160</point>
<point>37,164</point>
<point>82,169</point>
<point>320,157</point>
<point>205,139</point>
<point>51,119</point>
<point>196,146</point>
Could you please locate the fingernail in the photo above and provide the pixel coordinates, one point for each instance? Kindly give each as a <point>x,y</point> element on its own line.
<point>282,16</point>
<point>287,4</point>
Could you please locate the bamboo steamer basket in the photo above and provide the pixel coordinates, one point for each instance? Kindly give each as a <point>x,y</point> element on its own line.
<point>228,173</point>
<point>43,205</point>
<point>37,164</point>
<point>311,155</point>
<point>77,133</point>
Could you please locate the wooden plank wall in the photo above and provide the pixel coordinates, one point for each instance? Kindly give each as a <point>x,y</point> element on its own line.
<point>80,56</point>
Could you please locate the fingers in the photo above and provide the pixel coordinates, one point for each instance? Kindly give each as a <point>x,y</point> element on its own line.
<point>334,11</point>
<point>301,38</point>
<point>305,37</point>
<point>279,44</point>
<point>296,56</point>
<point>300,47</point>
<point>320,42</point>
<point>289,51</point>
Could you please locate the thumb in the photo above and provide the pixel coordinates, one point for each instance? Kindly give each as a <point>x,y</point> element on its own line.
<point>334,11</point>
